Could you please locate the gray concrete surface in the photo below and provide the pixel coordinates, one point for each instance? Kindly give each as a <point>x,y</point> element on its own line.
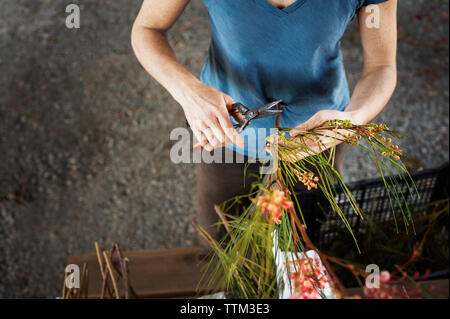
<point>84,146</point>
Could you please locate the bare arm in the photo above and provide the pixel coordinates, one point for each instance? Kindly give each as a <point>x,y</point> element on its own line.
<point>152,48</point>
<point>377,83</point>
<point>205,108</point>
<point>379,78</point>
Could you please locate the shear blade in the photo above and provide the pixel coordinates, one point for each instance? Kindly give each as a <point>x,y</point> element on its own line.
<point>265,110</point>
<point>272,104</point>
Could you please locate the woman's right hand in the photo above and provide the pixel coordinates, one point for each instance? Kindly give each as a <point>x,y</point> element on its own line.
<point>207,111</point>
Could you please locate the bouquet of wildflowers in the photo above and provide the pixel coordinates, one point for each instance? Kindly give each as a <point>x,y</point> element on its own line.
<point>244,264</point>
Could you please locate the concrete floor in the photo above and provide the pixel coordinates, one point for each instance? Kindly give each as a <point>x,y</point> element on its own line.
<point>84,146</point>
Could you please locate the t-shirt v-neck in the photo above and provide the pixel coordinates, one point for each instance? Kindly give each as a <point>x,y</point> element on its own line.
<point>283,11</point>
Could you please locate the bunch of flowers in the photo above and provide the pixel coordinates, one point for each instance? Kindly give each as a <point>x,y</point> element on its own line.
<point>307,178</point>
<point>272,204</point>
<point>374,133</point>
<point>396,289</point>
<point>246,263</point>
<point>392,150</point>
<point>308,277</point>
<point>377,136</point>
<point>299,156</point>
<point>385,290</point>
<point>402,288</point>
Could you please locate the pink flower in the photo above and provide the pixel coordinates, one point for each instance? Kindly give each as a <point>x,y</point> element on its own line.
<point>385,276</point>
<point>308,277</point>
<point>272,204</point>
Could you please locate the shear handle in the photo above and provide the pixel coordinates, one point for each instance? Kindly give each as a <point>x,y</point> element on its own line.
<point>238,107</point>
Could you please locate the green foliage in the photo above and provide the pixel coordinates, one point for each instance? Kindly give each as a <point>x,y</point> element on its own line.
<point>243,263</point>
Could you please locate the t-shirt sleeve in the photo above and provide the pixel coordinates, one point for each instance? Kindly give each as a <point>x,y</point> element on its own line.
<point>363,3</point>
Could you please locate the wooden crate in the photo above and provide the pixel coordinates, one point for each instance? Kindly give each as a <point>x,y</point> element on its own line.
<point>165,273</point>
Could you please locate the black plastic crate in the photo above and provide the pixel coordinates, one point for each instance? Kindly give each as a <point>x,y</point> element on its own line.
<point>371,196</point>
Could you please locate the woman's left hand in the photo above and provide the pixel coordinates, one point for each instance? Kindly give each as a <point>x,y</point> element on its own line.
<point>327,138</point>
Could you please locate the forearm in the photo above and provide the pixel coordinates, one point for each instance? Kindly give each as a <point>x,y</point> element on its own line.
<point>372,93</point>
<point>157,57</point>
<point>205,108</point>
<point>379,80</point>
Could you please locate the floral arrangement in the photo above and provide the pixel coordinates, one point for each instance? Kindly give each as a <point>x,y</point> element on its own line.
<point>243,261</point>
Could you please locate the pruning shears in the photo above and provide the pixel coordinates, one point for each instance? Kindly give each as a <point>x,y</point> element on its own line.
<point>243,115</point>
<point>251,114</point>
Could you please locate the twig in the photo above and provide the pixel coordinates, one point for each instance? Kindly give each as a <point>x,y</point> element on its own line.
<point>82,282</point>
<point>99,258</point>
<point>202,233</point>
<point>277,117</point>
<point>308,243</point>
<point>64,286</point>
<point>124,272</point>
<point>86,286</point>
<point>224,219</point>
<point>104,273</point>
<point>111,274</point>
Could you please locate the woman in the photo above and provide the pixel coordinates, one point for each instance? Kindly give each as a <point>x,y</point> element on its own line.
<point>262,50</point>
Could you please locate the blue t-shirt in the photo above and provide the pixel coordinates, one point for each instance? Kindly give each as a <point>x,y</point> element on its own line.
<point>259,52</point>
